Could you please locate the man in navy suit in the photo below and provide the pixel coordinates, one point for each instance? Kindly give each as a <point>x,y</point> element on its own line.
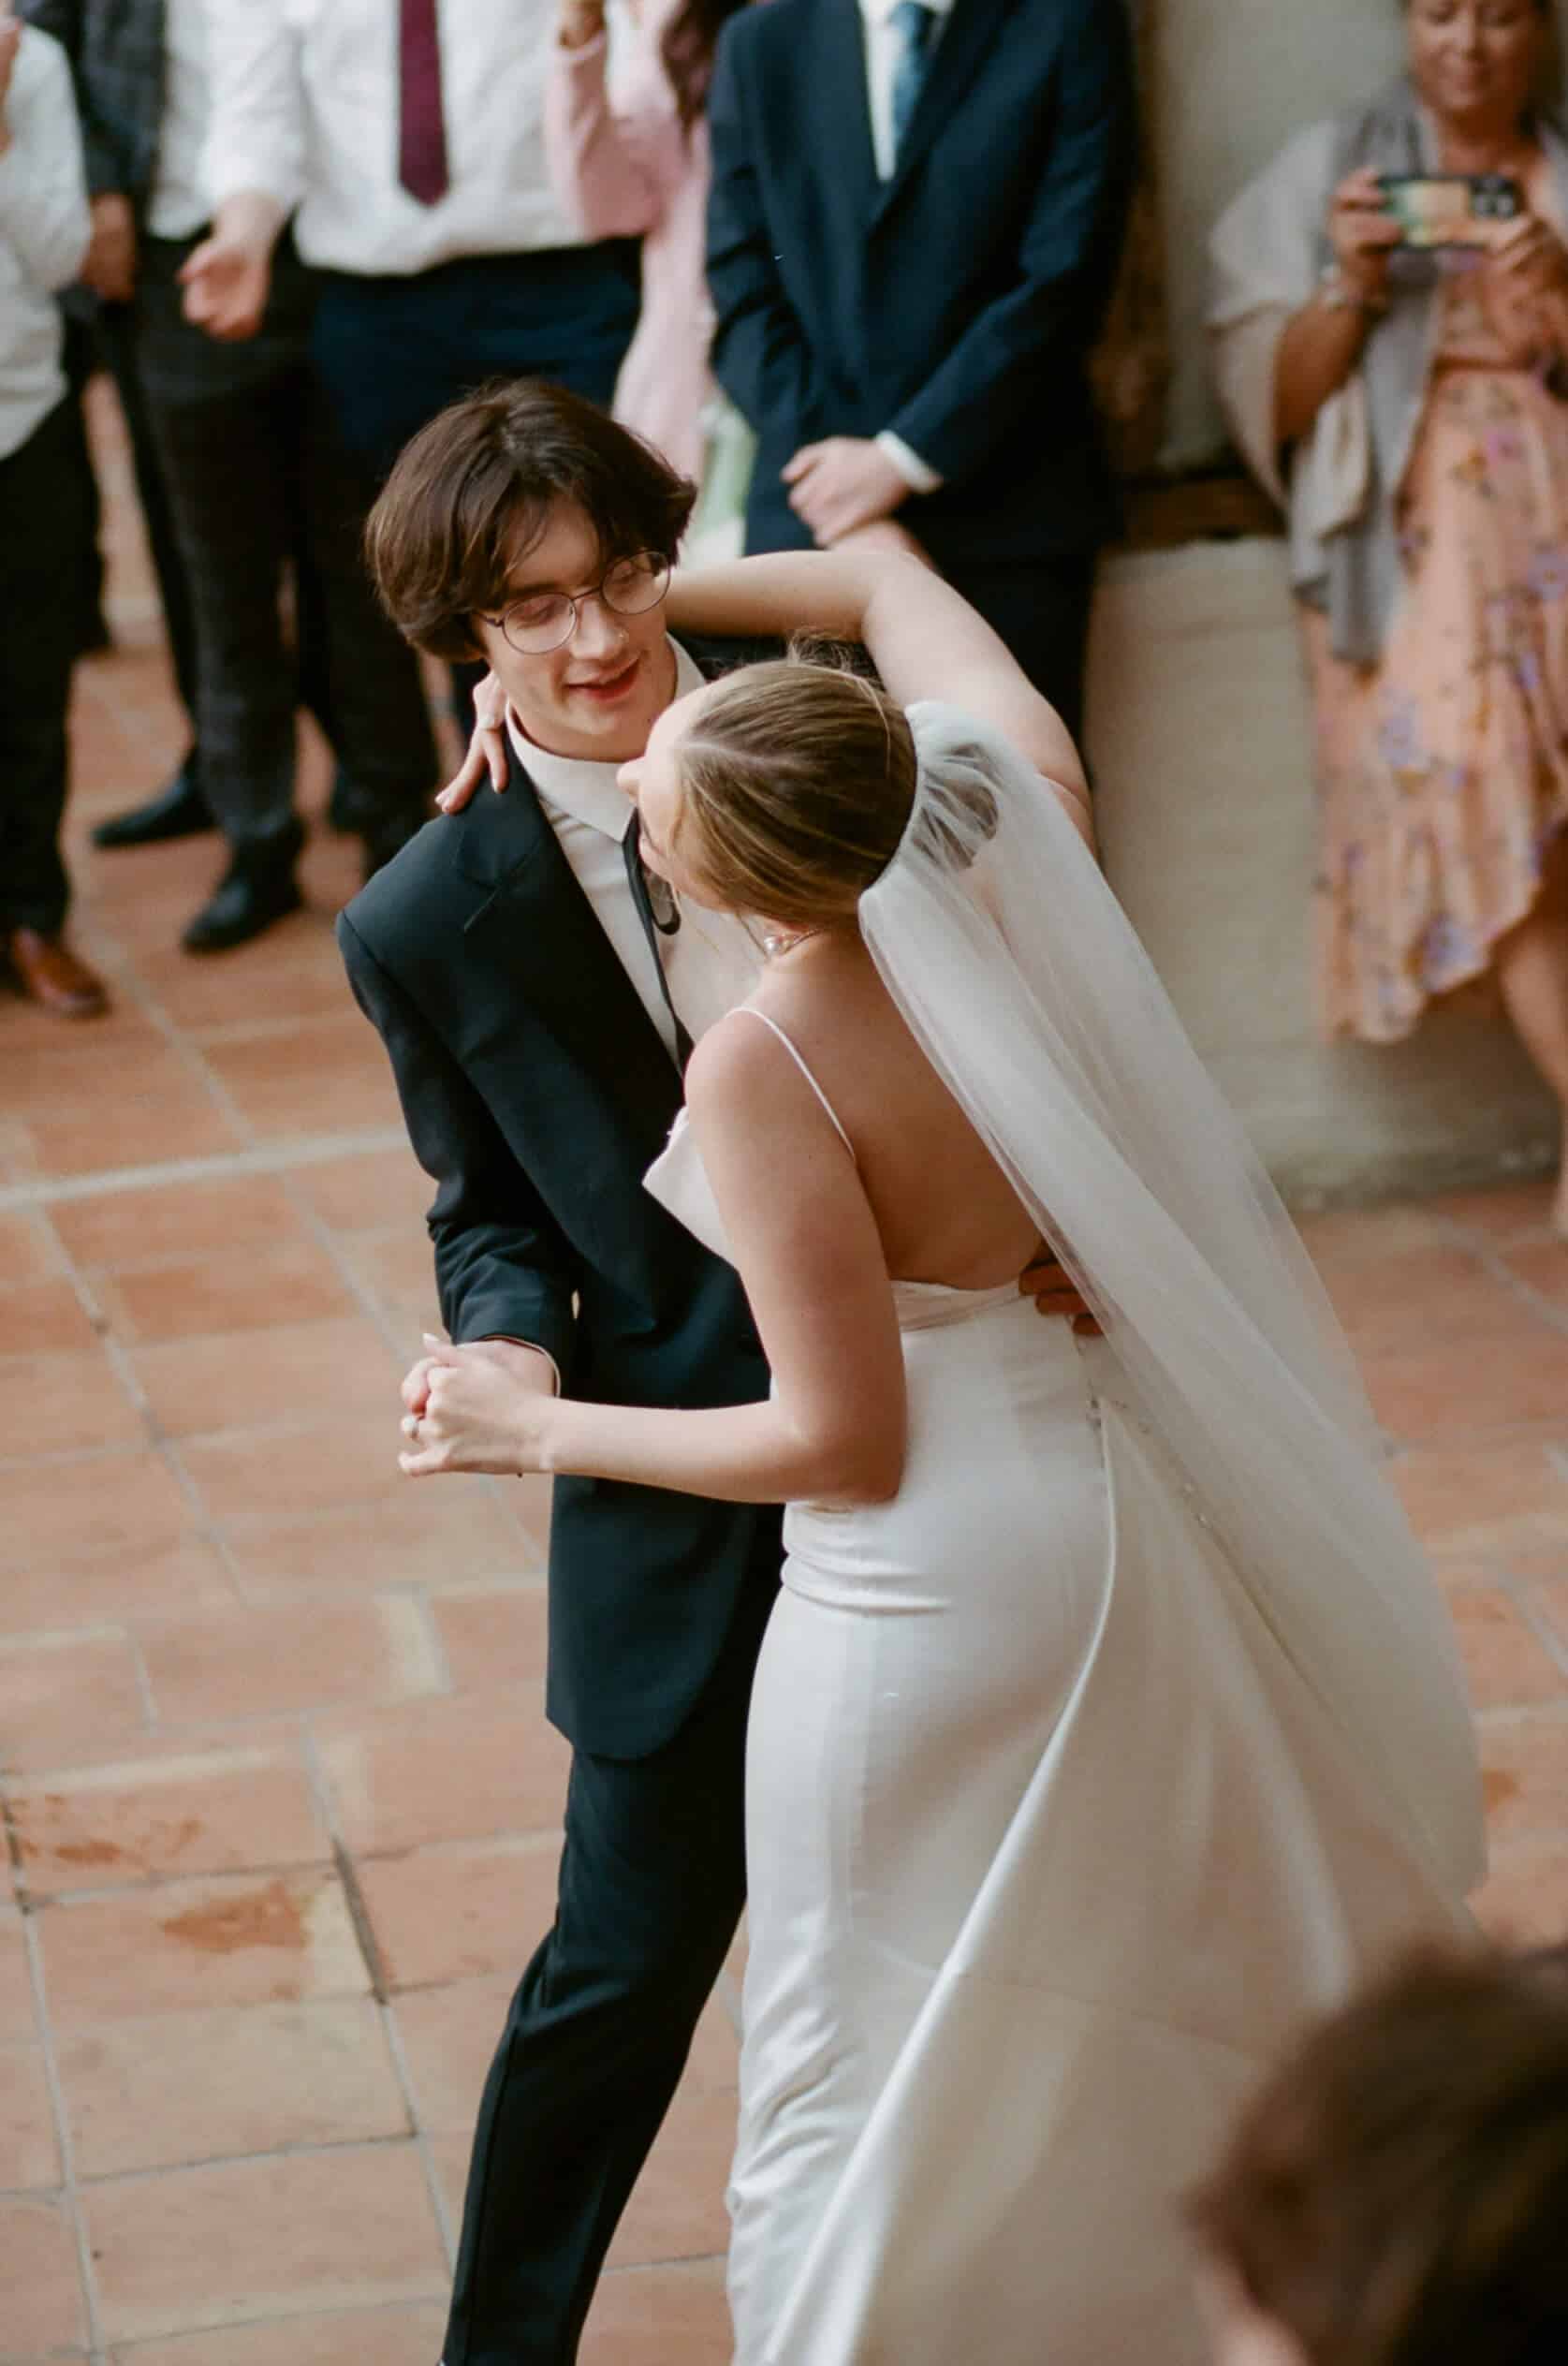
<point>916,216</point>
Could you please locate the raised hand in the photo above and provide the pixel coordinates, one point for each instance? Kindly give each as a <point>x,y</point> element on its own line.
<point>1363,234</point>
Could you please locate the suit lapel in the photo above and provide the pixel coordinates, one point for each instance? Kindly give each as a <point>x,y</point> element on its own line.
<point>968,36</point>
<point>538,926</point>
<point>834,101</point>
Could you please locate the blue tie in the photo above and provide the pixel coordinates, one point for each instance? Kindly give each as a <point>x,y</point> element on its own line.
<point>914,23</point>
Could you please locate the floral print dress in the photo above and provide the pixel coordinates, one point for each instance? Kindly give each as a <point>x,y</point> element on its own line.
<point>1442,770</point>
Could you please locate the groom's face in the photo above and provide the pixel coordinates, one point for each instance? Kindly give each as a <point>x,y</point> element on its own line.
<point>599,693</point>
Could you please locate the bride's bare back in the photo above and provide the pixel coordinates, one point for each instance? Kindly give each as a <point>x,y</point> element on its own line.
<point>943,1209</point>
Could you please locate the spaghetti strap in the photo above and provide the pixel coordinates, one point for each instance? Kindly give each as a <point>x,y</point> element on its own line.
<point>750,1010</point>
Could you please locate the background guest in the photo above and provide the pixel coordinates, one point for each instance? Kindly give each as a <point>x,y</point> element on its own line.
<point>1397,2193</point>
<point>636,166</point>
<point>909,260</point>
<point>116,53</point>
<point>1408,409</point>
<point>44,231</point>
<point>418,170</point>
<point>258,485</point>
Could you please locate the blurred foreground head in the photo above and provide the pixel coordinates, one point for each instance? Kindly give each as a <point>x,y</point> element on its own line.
<point>1397,2195</point>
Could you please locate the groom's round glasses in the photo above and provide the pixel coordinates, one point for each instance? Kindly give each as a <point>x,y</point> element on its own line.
<point>547,620</point>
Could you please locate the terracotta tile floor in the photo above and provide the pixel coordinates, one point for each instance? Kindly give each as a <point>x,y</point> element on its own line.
<point>280,1803</point>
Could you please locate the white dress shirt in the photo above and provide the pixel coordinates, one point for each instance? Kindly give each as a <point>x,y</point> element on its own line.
<point>44,229</point>
<point>884,48</point>
<point>179,203</point>
<point>711,962</point>
<point>305,111</point>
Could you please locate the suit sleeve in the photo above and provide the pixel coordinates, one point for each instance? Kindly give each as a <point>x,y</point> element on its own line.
<point>502,1265</point>
<point>760,356</point>
<point>984,386</point>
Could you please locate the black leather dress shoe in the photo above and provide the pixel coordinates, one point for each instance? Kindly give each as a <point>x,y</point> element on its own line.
<point>258,888</point>
<point>179,811</point>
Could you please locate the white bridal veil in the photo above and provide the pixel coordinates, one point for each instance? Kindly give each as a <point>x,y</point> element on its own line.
<point>1018,972</point>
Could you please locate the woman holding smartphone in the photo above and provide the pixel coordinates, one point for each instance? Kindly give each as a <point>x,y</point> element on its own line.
<point>1407,403</point>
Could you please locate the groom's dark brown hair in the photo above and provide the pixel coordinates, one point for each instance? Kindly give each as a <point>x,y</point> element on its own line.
<point>473,491</point>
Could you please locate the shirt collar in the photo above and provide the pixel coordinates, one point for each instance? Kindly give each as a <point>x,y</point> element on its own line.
<point>879,12</point>
<point>586,791</point>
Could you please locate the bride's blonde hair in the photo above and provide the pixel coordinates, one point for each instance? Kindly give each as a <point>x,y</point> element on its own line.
<point>796,782</point>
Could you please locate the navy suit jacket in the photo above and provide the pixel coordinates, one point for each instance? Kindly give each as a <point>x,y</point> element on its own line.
<point>538,1091</point>
<point>956,302</point>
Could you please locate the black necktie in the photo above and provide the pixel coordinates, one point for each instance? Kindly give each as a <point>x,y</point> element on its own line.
<point>656,923</point>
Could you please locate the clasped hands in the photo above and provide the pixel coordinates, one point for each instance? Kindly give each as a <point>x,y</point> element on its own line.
<point>487,1408</point>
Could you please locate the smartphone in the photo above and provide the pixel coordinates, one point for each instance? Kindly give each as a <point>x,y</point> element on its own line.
<point>1442,208</point>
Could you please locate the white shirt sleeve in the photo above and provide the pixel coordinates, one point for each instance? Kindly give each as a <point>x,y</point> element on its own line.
<point>44,216</point>
<point>255,137</point>
<point>911,467</point>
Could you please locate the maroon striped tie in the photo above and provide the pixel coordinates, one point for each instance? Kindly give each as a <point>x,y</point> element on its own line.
<point>421,132</point>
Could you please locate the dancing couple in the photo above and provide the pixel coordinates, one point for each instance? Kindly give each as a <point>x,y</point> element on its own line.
<point>1106,1722</point>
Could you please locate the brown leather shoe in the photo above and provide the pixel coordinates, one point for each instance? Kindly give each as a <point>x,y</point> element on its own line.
<point>50,973</point>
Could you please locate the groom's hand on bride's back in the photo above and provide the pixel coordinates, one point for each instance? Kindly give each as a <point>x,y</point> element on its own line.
<point>1047,1281</point>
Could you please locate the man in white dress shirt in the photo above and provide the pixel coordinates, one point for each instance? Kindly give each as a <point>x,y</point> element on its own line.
<point>44,525</point>
<point>409,136</point>
<point>258,484</point>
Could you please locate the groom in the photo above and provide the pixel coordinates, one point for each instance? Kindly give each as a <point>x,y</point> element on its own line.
<point>536,1004</point>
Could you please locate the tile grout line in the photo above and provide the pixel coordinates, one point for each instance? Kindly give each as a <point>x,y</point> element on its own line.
<point>376,1969</point>
<point>275,1156</point>
<point>70,2189</point>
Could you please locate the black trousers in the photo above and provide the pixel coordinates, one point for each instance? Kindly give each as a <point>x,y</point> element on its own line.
<point>259,484</point>
<point>108,340</point>
<point>1040,608</point>
<point>44,531</point>
<point>653,1881</point>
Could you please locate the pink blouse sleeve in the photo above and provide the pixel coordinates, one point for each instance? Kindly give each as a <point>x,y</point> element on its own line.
<point>612,169</point>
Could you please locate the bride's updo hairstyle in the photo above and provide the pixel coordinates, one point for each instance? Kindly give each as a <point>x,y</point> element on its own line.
<point>796,782</point>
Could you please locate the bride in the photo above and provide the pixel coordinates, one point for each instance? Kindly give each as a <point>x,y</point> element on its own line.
<point>1107,1722</point>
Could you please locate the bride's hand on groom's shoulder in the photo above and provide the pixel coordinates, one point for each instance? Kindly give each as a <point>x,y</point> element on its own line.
<point>1047,1282</point>
<point>482,1408</point>
<point>486,749</point>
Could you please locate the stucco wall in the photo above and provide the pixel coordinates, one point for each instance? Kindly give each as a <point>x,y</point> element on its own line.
<point>1200,736</point>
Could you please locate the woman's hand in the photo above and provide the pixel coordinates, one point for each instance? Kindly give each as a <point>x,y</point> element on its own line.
<point>486,749</point>
<point>1363,234</point>
<point>480,1411</point>
<point>1524,288</point>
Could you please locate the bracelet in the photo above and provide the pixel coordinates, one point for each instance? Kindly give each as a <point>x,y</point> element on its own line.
<point>1335,294</point>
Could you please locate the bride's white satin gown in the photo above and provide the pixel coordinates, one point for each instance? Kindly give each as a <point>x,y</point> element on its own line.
<point>1049,1852</point>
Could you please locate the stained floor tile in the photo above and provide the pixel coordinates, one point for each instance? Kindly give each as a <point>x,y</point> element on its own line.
<point>171,1816</point>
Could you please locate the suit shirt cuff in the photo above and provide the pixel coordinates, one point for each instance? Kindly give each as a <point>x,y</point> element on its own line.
<point>510,1340</point>
<point>915,473</point>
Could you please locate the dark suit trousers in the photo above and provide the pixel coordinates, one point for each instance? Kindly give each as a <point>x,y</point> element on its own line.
<point>393,351</point>
<point>258,483</point>
<point>1040,608</point>
<point>652,1880</point>
<point>45,527</point>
